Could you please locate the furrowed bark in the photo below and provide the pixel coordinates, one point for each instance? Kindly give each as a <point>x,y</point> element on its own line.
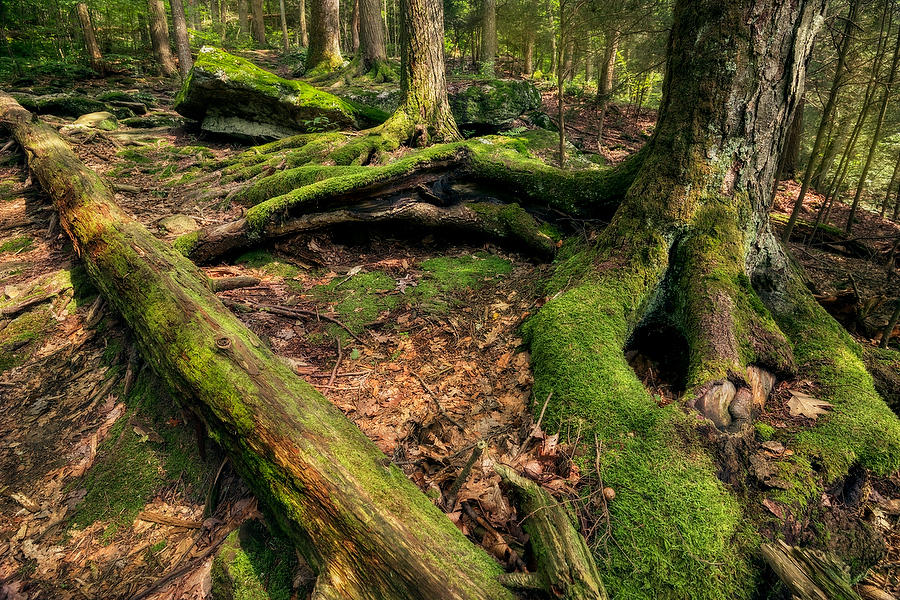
<point>365,528</point>
<point>90,40</point>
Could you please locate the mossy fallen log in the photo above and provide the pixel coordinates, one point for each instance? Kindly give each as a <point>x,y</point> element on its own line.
<point>232,96</point>
<point>360,523</point>
<point>808,574</point>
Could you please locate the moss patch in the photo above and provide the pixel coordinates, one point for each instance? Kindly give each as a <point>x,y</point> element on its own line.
<point>262,260</point>
<point>19,338</point>
<point>358,300</point>
<point>16,245</point>
<point>253,564</point>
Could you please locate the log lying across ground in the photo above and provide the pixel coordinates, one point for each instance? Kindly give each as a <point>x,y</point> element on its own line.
<point>360,523</point>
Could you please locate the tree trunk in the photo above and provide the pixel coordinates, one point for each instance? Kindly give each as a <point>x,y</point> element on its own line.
<point>488,38</point>
<point>285,38</point>
<point>304,34</point>
<point>823,167</point>
<point>354,28</point>
<point>423,116</point>
<point>876,136</point>
<point>528,68</point>
<point>364,528</point>
<point>182,43</point>
<point>324,52</point>
<point>243,19</point>
<point>258,22</point>
<point>605,81</point>
<point>895,181</point>
<point>551,26</point>
<point>850,23</point>
<point>159,37</point>
<point>90,40</point>
<point>371,40</point>
<point>790,154</point>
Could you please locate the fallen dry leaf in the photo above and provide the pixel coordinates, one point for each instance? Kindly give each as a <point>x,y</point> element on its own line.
<point>804,405</point>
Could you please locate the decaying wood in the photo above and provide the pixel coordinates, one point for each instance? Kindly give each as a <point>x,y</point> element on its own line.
<point>565,563</point>
<point>358,521</point>
<point>809,574</point>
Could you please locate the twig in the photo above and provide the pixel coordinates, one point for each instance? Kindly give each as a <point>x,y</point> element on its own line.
<point>297,313</point>
<point>464,475</point>
<point>337,363</point>
<point>437,402</point>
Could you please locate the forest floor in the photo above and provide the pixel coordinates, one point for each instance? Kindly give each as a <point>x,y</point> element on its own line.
<point>102,489</point>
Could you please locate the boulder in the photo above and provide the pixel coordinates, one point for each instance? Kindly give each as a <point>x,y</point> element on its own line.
<point>488,106</point>
<point>61,105</point>
<point>234,97</point>
<point>103,120</point>
<point>178,224</point>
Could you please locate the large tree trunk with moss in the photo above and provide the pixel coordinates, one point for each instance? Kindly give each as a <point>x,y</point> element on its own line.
<point>423,116</point>
<point>159,37</point>
<point>324,52</point>
<point>371,38</point>
<point>182,42</point>
<point>90,40</point>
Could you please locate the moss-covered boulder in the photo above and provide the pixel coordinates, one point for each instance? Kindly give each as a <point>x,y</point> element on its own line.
<point>232,96</point>
<point>253,565</point>
<point>488,106</point>
<point>99,120</point>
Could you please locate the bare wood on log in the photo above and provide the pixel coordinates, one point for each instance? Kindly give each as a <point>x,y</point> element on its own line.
<point>809,574</point>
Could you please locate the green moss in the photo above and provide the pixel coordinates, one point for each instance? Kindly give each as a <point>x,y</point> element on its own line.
<point>468,271</point>
<point>19,338</point>
<point>135,156</point>
<point>16,245</point>
<point>764,431</point>
<point>186,243</point>
<point>287,180</point>
<point>861,428</point>
<point>803,483</point>
<point>253,564</point>
<point>358,300</point>
<point>268,264</point>
<point>676,530</point>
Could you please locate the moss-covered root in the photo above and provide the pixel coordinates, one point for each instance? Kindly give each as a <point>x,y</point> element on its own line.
<point>356,518</point>
<point>861,428</point>
<point>566,567</point>
<point>675,530</point>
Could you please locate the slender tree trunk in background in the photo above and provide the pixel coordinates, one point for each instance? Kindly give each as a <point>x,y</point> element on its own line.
<point>789,163</point>
<point>489,44</point>
<point>423,116</point>
<point>850,23</point>
<point>258,22</point>
<point>182,42</point>
<point>354,28</point>
<point>605,82</point>
<point>835,143</point>
<point>285,38</point>
<point>371,39</point>
<point>143,29</point>
<point>243,19</point>
<point>895,181</point>
<point>220,18</point>
<point>560,88</point>
<point>569,60</point>
<point>552,28</point>
<point>90,40</point>
<point>876,136</point>
<point>159,37</point>
<point>896,214</point>
<point>194,13</point>
<point>304,35</point>
<point>528,67</point>
<point>324,52</point>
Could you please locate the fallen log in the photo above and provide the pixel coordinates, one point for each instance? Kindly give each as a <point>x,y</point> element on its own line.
<point>365,529</point>
<point>809,574</point>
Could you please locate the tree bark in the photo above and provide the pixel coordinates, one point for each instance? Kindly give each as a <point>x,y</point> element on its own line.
<point>850,23</point>
<point>423,116</point>
<point>159,37</point>
<point>354,28</point>
<point>90,40</point>
<point>258,22</point>
<point>371,39</point>
<point>285,39</point>
<point>182,42</point>
<point>605,81</point>
<point>790,154</point>
<point>243,19</point>
<point>488,38</point>
<point>365,529</point>
<point>876,136</point>
<point>304,34</point>
<point>324,52</point>
<point>528,68</point>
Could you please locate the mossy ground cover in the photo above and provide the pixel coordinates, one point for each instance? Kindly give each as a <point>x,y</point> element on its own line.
<point>358,300</point>
<point>267,264</point>
<point>446,276</point>
<point>21,336</point>
<point>130,468</point>
<point>253,564</point>
<point>16,245</point>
